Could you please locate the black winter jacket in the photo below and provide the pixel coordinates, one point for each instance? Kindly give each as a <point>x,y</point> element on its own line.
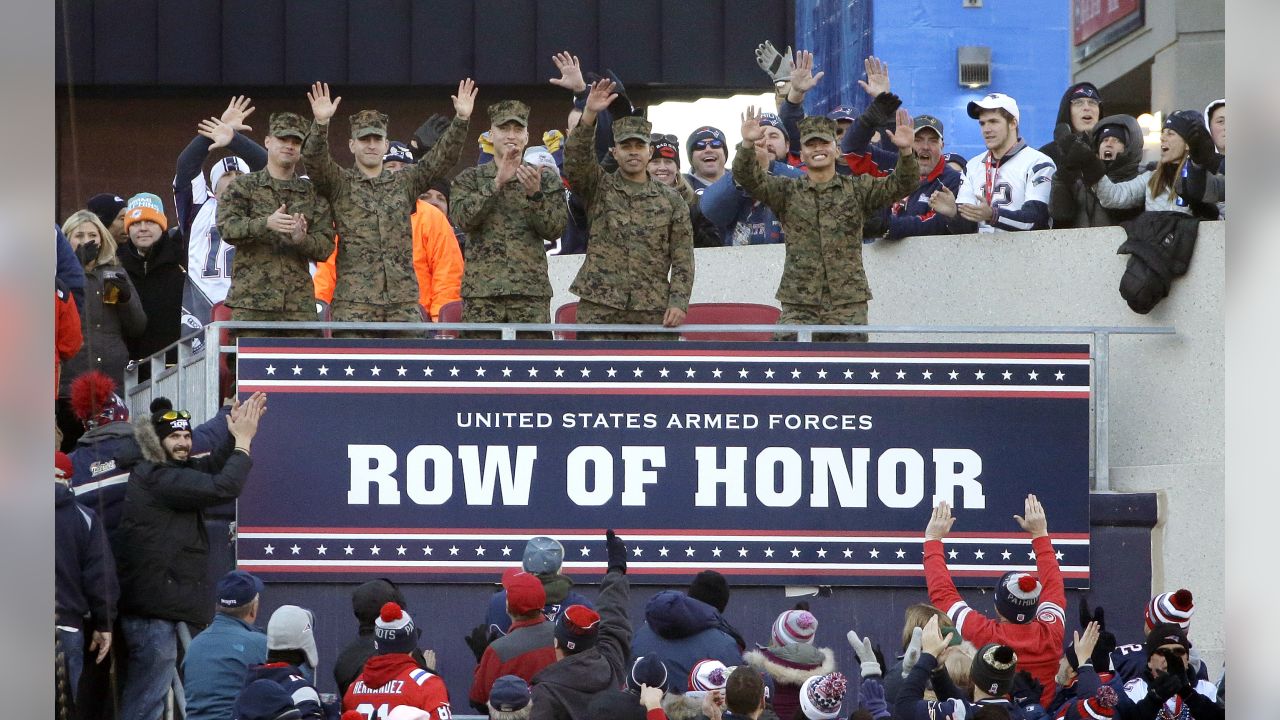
<point>162,545</point>
<point>159,279</point>
<point>1072,204</point>
<point>1160,245</point>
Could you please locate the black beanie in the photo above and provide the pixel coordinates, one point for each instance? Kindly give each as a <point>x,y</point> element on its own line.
<point>1118,132</point>
<point>1183,121</point>
<point>711,588</point>
<point>166,427</point>
<point>993,668</point>
<point>1165,634</point>
<point>106,206</point>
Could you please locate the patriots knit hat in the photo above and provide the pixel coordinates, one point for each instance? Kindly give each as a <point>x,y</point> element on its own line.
<point>1017,596</point>
<point>821,696</point>
<point>577,629</point>
<point>708,675</point>
<point>1183,121</point>
<point>509,694</point>
<point>145,206</point>
<point>1171,607</point>
<point>1165,634</point>
<point>706,132</point>
<point>711,588</point>
<point>1084,90</point>
<point>230,163</point>
<point>647,670</point>
<point>794,626</point>
<point>106,206</point>
<point>95,402</point>
<point>1118,132</point>
<point>62,467</point>
<point>394,631</point>
<point>993,668</point>
<point>398,152</point>
<point>525,592</point>
<point>542,555</point>
<point>290,628</point>
<point>265,700</point>
<point>772,120</point>
<point>1101,705</point>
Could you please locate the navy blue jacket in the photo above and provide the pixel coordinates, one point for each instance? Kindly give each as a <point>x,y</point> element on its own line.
<point>911,705</point>
<point>305,697</point>
<point>682,630</point>
<point>69,269</point>
<point>911,216</point>
<point>84,570</point>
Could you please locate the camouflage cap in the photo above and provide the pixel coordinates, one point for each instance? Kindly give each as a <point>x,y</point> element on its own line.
<point>632,127</point>
<point>508,110</point>
<point>368,122</point>
<point>817,126</point>
<point>287,124</point>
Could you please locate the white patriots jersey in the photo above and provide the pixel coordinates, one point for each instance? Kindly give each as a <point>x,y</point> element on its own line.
<point>1025,176</point>
<point>208,257</point>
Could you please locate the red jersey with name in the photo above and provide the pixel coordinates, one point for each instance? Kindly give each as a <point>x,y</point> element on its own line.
<point>391,680</point>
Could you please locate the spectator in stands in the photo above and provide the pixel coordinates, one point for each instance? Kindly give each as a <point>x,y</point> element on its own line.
<point>68,269</point>
<point>1078,114</point>
<point>1029,612</point>
<point>393,676</point>
<point>110,209</point>
<point>1154,189</point>
<point>292,659</point>
<point>84,579</point>
<point>375,258</point>
<point>509,699</point>
<point>683,629</point>
<point>992,672</point>
<point>543,557</point>
<point>528,647</point>
<point>741,219</point>
<point>162,546</point>
<point>664,166</point>
<point>1203,178</point>
<point>708,154</point>
<point>1114,151</point>
<point>278,223</point>
<point>218,659</point>
<point>703,694</point>
<point>591,648</point>
<point>209,259</point>
<point>1176,607</point>
<point>957,162</point>
<point>823,282</point>
<point>791,656</point>
<point>744,695</point>
<point>154,258</point>
<point>265,700</point>
<point>639,267</point>
<point>67,336</point>
<point>508,208</point>
<point>914,619</point>
<point>112,313</point>
<point>398,157</point>
<point>366,602</point>
<point>1089,669</point>
<point>1168,686</point>
<point>1007,187</point>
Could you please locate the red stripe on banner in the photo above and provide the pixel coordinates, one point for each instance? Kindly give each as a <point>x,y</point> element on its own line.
<point>608,352</point>
<point>634,532</point>
<point>267,570</point>
<point>568,389</point>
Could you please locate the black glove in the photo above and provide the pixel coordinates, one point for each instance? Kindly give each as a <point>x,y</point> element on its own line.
<point>1025,688</point>
<point>1203,153</point>
<point>881,111</point>
<point>478,640</point>
<point>617,552</point>
<point>1062,136</point>
<point>1082,157</point>
<point>425,137</point>
<point>1167,684</point>
<point>88,252</point>
<point>117,280</point>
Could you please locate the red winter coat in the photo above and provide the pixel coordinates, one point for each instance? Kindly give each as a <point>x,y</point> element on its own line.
<point>395,679</point>
<point>523,651</point>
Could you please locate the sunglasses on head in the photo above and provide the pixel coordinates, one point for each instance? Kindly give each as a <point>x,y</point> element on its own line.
<point>175,414</point>
<point>664,138</point>
<point>708,143</point>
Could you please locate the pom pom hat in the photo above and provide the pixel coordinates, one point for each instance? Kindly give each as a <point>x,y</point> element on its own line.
<point>993,668</point>
<point>821,695</point>
<point>1171,607</point>
<point>394,631</point>
<point>793,627</point>
<point>95,402</point>
<point>1017,596</point>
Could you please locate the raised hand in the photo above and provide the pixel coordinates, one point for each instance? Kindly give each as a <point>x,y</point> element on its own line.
<point>877,81</point>
<point>570,72</point>
<point>1033,519</point>
<point>931,639</point>
<point>904,135</point>
<point>869,665</point>
<point>751,130</point>
<point>802,77</point>
<point>465,101</point>
<point>237,110</point>
<point>530,178</point>
<point>1085,643</point>
<point>778,65</point>
<point>940,522</point>
<point>912,654</point>
<point>602,93</point>
<point>218,131</point>
<point>322,107</point>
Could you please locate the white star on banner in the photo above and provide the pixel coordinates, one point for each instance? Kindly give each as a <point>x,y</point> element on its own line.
<point>1033,375</point>
<point>479,372</point>
<point>848,374</point>
<point>506,372</point>
<point>586,551</point>
<point>453,372</point>
<point>664,372</point>
<point>1031,555</point>
<point>349,550</point>
<point>978,554</point>
<point>953,554</point>
<point>297,369</point>
<point>716,373</point>
<point>822,373</point>
<point>612,372</point>
<point>902,375</point>
<point>349,370</point>
<point>688,552</point>
<point>927,374</point>
<point>322,550</point>
<point>768,552</point>
<point>426,550</point>
<point>479,551</point>
<point>428,372</point>
<point>1006,375</point>
<point>638,372</point>
<point>848,553</point>
<point>559,372</point>
<point>271,369</point>
<point>1058,554</point>
<point>690,372</point>
<point>637,551</point>
<point>1059,375</point>
<point>795,552</point>
<point>822,552</point>
<point>324,370</point>
<point>795,373</point>
<point>506,551</point>
<point>715,552</point>
<point>295,549</point>
<point>768,373</point>
<point>743,373</point>
<point>874,553</point>
<point>375,549</point>
<point>453,550</point>
<point>953,374</point>
<point>662,551</point>
<point>901,553</point>
<point>401,550</point>
<point>269,549</point>
<point>586,372</point>
<point>980,375</point>
<point>742,552</point>
<point>400,371</point>
<point>376,371</point>
<point>1006,555</point>
<point>875,374</point>
<point>533,372</point>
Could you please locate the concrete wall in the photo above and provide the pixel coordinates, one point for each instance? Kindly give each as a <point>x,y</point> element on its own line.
<point>1166,405</point>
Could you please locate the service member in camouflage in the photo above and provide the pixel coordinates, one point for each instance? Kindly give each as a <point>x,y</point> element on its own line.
<point>507,208</point>
<point>277,223</point>
<point>640,230</point>
<point>371,208</point>
<point>823,282</point>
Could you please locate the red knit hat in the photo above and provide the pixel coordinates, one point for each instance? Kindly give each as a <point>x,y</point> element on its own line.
<point>62,467</point>
<point>577,628</point>
<point>1171,607</point>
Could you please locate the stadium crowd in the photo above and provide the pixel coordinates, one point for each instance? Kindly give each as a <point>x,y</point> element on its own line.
<point>280,231</point>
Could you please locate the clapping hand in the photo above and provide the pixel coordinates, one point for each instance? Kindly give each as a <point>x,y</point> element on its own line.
<point>943,202</point>
<point>530,179</point>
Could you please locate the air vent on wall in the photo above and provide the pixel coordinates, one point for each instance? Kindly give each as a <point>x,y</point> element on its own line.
<point>974,62</point>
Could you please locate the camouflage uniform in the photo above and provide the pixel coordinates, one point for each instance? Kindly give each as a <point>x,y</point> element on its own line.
<point>376,282</point>
<point>505,273</point>
<point>640,231</point>
<point>823,281</point>
<point>271,279</point>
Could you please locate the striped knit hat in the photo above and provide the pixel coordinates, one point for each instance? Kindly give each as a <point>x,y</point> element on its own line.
<point>1017,596</point>
<point>1171,607</point>
<point>1101,705</point>
<point>793,627</point>
<point>821,695</point>
<point>708,675</point>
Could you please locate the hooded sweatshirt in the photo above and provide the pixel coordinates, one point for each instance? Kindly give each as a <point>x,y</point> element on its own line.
<point>683,630</point>
<point>1064,117</point>
<point>1073,205</point>
<point>395,679</point>
<point>366,602</point>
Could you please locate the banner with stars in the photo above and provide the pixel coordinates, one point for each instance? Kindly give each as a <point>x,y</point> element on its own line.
<point>773,463</point>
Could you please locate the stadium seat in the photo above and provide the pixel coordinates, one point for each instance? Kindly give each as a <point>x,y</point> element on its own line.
<point>450,312</point>
<point>566,314</point>
<point>730,314</point>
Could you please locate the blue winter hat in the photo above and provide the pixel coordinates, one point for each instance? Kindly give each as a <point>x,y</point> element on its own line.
<point>647,670</point>
<point>772,120</point>
<point>843,112</point>
<point>509,694</point>
<point>706,132</point>
<point>265,700</point>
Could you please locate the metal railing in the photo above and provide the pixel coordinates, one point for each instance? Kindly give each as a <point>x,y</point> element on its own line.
<point>193,381</point>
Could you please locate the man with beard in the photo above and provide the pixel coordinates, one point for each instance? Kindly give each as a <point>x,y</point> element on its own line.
<point>742,219</point>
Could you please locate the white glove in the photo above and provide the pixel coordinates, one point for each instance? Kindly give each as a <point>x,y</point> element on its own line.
<point>866,655</point>
<point>912,655</point>
<point>778,65</point>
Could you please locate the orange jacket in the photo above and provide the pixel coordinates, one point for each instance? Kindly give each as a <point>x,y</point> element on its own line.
<point>437,261</point>
<point>67,334</point>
